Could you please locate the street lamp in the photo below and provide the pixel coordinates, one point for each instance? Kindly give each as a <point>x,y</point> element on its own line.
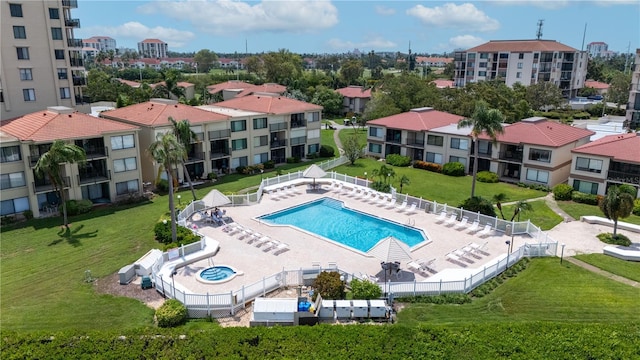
<point>510,228</point>
<point>561,252</point>
<point>508,252</point>
<point>365,178</point>
<point>179,200</point>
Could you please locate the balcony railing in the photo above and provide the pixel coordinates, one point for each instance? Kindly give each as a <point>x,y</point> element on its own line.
<point>198,137</point>
<point>219,153</point>
<point>415,142</point>
<point>79,81</point>
<point>97,152</point>
<point>94,177</point>
<point>278,126</point>
<point>195,157</point>
<point>511,156</point>
<point>34,159</point>
<point>624,177</point>
<point>40,186</point>
<point>298,124</point>
<point>393,139</point>
<point>219,134</point>
<point>278,143</point>
<point>76,62</point>
<point>299,140</point>
<point>74,42</point>
<point>70,3</point>
<point>72,23</point>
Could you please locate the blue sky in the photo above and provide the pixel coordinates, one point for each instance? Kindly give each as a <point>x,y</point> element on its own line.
<point>306,26</point>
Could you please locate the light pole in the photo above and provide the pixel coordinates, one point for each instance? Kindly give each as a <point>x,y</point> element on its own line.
<point>561,252</point>
<point>510,229</point>
<point>508,252</point>
<point>179,200</point>
<point>365,178</point>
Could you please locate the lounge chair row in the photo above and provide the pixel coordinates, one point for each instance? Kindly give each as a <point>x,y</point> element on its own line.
<point>282,192</point>
<point>467,255</point>
<point>255,238</point>
<point>452,221</point>
<point>422,267</point>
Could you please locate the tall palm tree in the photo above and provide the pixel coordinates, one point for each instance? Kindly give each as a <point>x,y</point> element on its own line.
<point>50,163</point>
<point>167,151</point>
<point>483,120</point>
<point>521,207</point>
<point>169,86</point>
<point>499,199</point>
<point>617,203</point>
<point>184,134</point>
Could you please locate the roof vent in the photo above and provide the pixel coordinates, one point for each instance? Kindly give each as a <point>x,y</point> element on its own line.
<point>69,115</point>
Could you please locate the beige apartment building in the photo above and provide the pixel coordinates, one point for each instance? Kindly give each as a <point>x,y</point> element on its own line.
<point>112,171</point>
<point>41,60</point>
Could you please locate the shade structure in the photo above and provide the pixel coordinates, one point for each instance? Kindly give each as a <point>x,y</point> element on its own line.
<point>314,171</point>
<point>390,250</point>
<point>215,198</point>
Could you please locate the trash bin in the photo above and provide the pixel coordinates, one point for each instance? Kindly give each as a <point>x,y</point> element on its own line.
<point>146,283</point>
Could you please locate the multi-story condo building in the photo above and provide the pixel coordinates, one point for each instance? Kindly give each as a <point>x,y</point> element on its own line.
<point>237,88</point>
<point>240,132</point>
<point>355,98</point>
<point>41,58</point>
<point>533,150</point>
<point>100,43</point>
<point>611,160</point>
<point>152,48</point>
<point>633,108</point>
<point>597,49</point>
<point>112,170</point>
<point>523,61</point>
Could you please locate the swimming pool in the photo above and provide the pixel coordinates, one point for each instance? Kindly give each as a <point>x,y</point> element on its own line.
<point>217,274</point>
<point>330,219</point>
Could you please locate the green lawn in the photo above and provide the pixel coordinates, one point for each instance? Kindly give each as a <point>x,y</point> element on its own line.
<point>347,132</point>
<point>541,215</point>
<point>546,291</point>
<point>326,138</point>
<point>628,269</point>
<point>576,210</point>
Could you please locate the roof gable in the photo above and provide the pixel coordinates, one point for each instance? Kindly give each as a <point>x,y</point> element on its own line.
<point>521,46</point>
<point>624,147</point>
<point>536,131</point>
<point>422,119</point>
<point>269,104</point>
<point>354,92</point>
<point>156,113</point>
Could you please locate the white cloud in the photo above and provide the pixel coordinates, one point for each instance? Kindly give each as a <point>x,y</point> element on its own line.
<point>465,17</point>
<point>231,17</point>
<point>465,41</point>
<point>383,10</point>
<point>617,2</point>
<point>371,43</point>
<point>134,30</point>
<point>544,4</point>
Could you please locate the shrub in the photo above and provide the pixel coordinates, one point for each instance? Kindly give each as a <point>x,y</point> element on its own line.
<point>381,186</point>
<point>327,151</point>
<point>28,214</point>
<point>212,176</point>
<point>293,160</point>
<point>619,239</point>
<point>487,177</point>
<point>584,198</point>
<point>562,192</point>
<point>241,170</point>
<point>582,115</point>
<point>479,204</point>
<point>7,219</point>
<point>162,186</point>
<point>636,207</point>
<point>269,164</point>
<point>75,207</point>
<point>329,285</point>
<point>172,313</point>
<point>365,289</point>
<point>185,236</point>
<point>428,166</point>
<point>398,160</point>
<point>453,169</point>
<point>458,299</point>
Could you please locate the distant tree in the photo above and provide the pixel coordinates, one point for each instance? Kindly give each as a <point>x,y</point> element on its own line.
<point>352,149</point>
<point>330,100</point>
<point>205,60</point>
<point>283,66</point>
<point>170,85</point>
<point>365,289</point>
<point>449,70</point>
<point>384,174</point>
<point>618,92</point>
<point>376,73</point>
<point>617,203</point>
<point>522,110</point>
<point>543,95</point>
<point>380,105</point>
<point>254,65</point>
<point>595,69</point>
<point>351,71</point>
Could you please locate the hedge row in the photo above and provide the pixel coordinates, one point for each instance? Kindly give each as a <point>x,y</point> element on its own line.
<point>428,166</point>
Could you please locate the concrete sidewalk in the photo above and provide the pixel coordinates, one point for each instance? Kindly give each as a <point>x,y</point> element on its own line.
<point>604,273</point>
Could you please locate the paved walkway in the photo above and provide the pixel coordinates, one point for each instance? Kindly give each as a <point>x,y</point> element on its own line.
<point>604,273</point>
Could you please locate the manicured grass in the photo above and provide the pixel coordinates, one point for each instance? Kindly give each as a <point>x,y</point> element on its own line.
<point>546,291</point>
<point>442,188</point>
<point>576,210</point>
<point>361,133</point>
<point>541,215</point>
<point>326,138</point>
<point>627,269</point>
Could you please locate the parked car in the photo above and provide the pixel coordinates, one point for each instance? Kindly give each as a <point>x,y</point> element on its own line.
<point>595,97</point>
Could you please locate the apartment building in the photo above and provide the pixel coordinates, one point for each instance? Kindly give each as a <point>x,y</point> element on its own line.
<point>41,58</point>
<point>523,61</point>
<point>611,160</point>
<point>112,170</point>
<point>355,98</point>
<point>597,49</point>
<point>100,43</point>
<point>633,108</point>
<point>237,88</point>
<point>153,48</point>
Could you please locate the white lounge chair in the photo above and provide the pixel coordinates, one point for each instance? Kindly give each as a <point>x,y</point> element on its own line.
<point>427,265</point>
<point>462,255</point>
<point>236,230</point>
<point>402,206</point>
<point>455,259</point>
<point>383,199</point>
<point>391,204</point>
<point>417,268</point>
<point>253,237</point>
<point>259,242</point>
<point>440,219</point>
<point>452,219</point>
<point>486,231</point>
<point>353,192</point>
<point>472,252</point>
<point>462,224</point>
<point>338,187</point>
<point>373,195</point>
<point>412,209</point>
<point>280,249</point>
<point>474,227</point>
<point>363,194</point>
<point>245,234</point>
<point>270,245</point>
<point>480,248</point>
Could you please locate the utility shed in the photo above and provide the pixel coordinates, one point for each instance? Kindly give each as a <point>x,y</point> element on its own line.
<point>274,310</point>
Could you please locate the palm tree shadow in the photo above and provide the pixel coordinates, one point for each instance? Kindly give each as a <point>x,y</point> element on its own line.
<point>72,236</point>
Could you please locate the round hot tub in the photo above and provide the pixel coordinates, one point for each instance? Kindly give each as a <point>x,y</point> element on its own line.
<point>217,274</point>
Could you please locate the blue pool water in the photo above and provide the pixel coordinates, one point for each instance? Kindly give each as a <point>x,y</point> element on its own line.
<point>217,273</point>
<point>328,218</point>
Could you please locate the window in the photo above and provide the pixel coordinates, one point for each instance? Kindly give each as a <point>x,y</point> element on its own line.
<point>540,155</point>
<point>127,187</point>
<point>25,74</point>
<point>260,123</point>
<point>239,144</point>
<point>14,206</point>
<point>10,153</point>
<point>585,187</point>
<point>435,140</point>
<point>315,117</point>
<point>62,73</point>
<point>23,53</point>
<point>459,159</point>
<point>19,32</point>
<point>518,75</point>
<point>504,56</point>
<point>483,65</point>
<point>375,148</point>
<point>536,56</point>
<point>591,165</point>
<point>16,10</point>
<point>484,55</point>
<point>521,56</point>
<point>122,142</point>
<point>59,54</point>
<point>313,148</point>
<point>260,141</point>
<point>482,73</point>
<point>519,65</point>
<point>238,125</point>
<point>260,158</point>
<point>461,144</point>
<point>538,176</point>
<point>29,94</point>
<point>54,13</point>
<point>239,161</point>
<point>127,164</point>
<point>376,132</point>
<point>434,158</point>
<point>56,33</point>
<point>65,93</point>
<point>8,181</point>
<point>484,147</point>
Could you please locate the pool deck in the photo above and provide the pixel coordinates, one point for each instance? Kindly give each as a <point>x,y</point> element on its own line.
<point>306,249</point>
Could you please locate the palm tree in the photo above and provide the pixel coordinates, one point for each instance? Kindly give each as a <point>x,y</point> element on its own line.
<point>618,203</point>
<point>404,180</point>
<point>49,165</point>
<point>170,86</point>
<point>167,151</point>
<point>522,206</point>
<point>483,120</point>
<point>184,134</point>
<point>499,198</point>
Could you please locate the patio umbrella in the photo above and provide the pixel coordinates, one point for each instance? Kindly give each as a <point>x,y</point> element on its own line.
<point>390,250</point>
<point>215,198</point>
<point>314,171</point>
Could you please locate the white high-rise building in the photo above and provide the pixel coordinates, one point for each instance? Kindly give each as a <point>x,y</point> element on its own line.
<point>100,43</point>
<point>153,48</point>
<point>597,49</point>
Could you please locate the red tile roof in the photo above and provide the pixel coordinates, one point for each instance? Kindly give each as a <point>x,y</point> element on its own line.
<point>133,84</point>
<point>271,88</point>
<point>422,119</point>
<point>181,84</point>
<point>49,125</point>
<point>624,147</point>
<point>596,84</point>
<point>269,104</point>
<point>428,59</point>
<point>354,92</point>
<point>231,84</point>
<point>442,83</point>
<point>155,113</point>
<point>152,41</point>
<point>541,132</point>
<point>521,46</point>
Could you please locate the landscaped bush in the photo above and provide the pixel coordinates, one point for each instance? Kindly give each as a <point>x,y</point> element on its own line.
<point>241,170</point>
<point>269,164</point>
<point>212,176</point>
<point>487,177</point>
<point>184,236</point>
<point>365,290</point>
<point>582,115</point>
<point>162,186</point>
<point>540,187</point>
<point>327,151</point>
<point>636,207</point>
<point>453,169</point>
<point>172,313</point>
<point>562,192</point>
<point>293,160</point>
<point>584,198</point>
<point>428,166</point>
<point>329,286</point>
<point>28,214</point>
<point>398,160</point>
<point>619,239</point>
<point>479,204</point>
<point>75,207</point>
<point>381,186</point>
<point>458,299</point>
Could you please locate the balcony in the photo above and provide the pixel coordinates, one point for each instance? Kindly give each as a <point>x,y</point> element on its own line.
<point>510,156</point>
<point>197,138</point>
<point>278,143</point>
<point>74,43</point>
<point>93,176</point>
<point>33,160</point>
<point>624,177</point>
<point>219,134</point>
<point>75,23</point>
<point>43,185</point>
<point>299,140</point>
<point>219,153</point>
<point>278,126</point>
<point>393,139</point>
<point>298,124</point>
<point>76,62</point>
<point>96,152</point>
<point>415,142</point>
<point>70,3</point>
<point>194,157</point>
<point>79,81</point>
